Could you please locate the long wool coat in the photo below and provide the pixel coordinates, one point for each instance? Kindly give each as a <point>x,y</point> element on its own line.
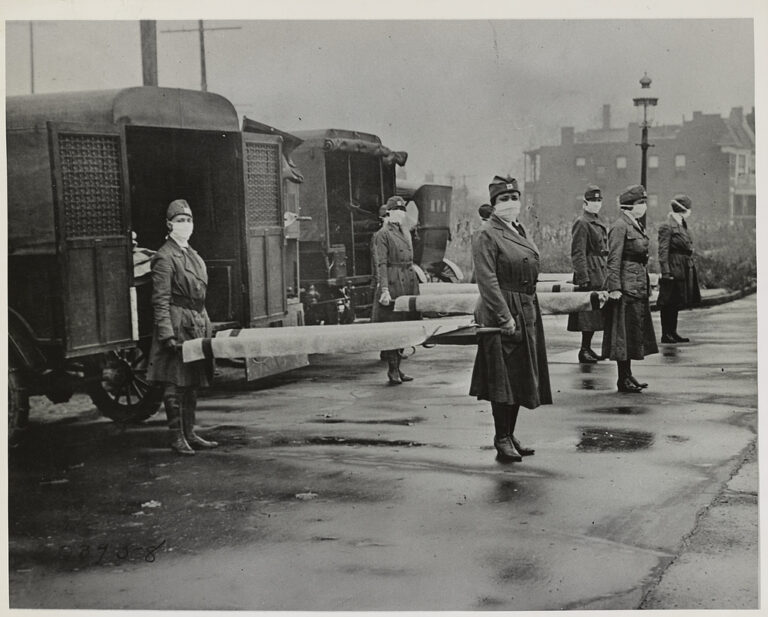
<point>629,333</point>
<point>589,252</point>
<point>393,259</point>
<point>507,369</point>
<point>179,284</point>
<point>675,250</point>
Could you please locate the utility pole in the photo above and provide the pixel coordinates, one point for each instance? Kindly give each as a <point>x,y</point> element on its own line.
<point>31,58</point>
<point>201,29</point>
<point>148,30</point>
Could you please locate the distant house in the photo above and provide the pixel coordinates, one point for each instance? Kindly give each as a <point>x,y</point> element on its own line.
<point>710,158</point>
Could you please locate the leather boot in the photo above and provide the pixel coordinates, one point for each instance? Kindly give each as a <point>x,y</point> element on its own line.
<point>403,376</point>
<point>188,411</point>
<point>393,374</point>
<point>506,449</point>
<point>627,385</point>
<point>587,356</point>
<point>523,451</point>
<point>175,424</point>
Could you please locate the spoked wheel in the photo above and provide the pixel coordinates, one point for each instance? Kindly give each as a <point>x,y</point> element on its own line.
<point>121,390</point>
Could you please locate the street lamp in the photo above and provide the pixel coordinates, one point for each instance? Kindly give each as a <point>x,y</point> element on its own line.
<point>645,100</point>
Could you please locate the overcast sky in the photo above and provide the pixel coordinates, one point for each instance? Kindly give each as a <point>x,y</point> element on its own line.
<point>462,97</point>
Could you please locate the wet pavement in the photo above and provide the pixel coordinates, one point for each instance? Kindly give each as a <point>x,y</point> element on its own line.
<point>334,491</point>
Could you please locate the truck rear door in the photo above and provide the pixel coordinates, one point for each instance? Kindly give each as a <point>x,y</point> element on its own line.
<point>264,227</point>
<point>92,222</point>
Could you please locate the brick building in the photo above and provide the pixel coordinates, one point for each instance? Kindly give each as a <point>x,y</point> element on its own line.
<point>709,157</point>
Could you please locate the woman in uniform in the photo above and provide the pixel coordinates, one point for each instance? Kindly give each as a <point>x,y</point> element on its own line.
<point>589,250</point>
<point>179,283</point>
<point>628,331</point>
<point>395,276</point>
<point>679,284</point>
<point>511,364</point>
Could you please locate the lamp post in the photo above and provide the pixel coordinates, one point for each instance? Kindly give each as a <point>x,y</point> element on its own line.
<point>645,100</point>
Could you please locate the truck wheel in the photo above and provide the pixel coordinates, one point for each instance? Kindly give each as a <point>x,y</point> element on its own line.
<point>120,389</point>
<point>18,405</point>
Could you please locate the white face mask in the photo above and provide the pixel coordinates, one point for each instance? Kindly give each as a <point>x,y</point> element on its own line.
<point>685,214</point>
<point>639,209</point>
<point>396,216</point>
<point>182,230</point>
<point>593,206</point>
<point>507,210</point>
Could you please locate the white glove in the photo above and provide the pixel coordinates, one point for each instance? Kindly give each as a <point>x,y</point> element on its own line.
<point>614,295</point>
<point>385,299</point>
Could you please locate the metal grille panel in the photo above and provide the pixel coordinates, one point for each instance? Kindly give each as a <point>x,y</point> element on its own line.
<point>92,190</point>
<point>262,190</point>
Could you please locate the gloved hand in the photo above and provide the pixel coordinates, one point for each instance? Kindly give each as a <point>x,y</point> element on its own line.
<point>385,299</point>
<point>583,286</point>
<point>614,295</point>
<point>668,277</point>
<point>172,344</point>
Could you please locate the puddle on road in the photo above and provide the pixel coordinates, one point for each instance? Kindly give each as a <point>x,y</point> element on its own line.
<point>627,410</point>
<point>358,441</point>
<point>394,421</point>
<point>613,440</point>
<point>677,438</point>
<point>510,490</point>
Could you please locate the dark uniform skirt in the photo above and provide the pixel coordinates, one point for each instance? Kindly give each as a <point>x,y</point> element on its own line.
<point>629,331</point>
<point>514,370</point>
<point>586,321</point>
<point>680,293</point>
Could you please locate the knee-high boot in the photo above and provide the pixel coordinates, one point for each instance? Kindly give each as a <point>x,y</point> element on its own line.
<point>393,372</point>
<point>502,441</point>
<point>175,418</point>
<point>513,413</point>
<point>188,410</point>
<point>403,376</point>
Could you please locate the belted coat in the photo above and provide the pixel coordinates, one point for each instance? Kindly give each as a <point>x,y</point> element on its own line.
<point>393,259</point>
<point>675,258</point>
<point>629,333</point>
<point>510,370</point>
<point>179,285</point>
<point>589,251</point>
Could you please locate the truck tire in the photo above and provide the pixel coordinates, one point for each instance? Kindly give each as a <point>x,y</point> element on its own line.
<point>119,389</point>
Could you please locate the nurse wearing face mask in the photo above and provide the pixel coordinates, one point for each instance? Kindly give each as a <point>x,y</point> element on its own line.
<point>679,285</point>
<point>589,251</point>
<point>179,284</point>
<point>511,364</point>
<point>628,331</point>
<point>395,276</point>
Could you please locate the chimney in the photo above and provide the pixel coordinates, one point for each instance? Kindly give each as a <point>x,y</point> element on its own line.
<point>606,117</point>
<point>566,135</point>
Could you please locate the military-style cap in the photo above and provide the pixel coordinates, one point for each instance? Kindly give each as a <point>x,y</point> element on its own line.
<point>681,203</point>
<point>395,202</point>
<point>383,211</point>
<point>485,211</point>
<point>176,207</point>
<point>593,193</point>
<point>500,185</point>
<point>632,195</point>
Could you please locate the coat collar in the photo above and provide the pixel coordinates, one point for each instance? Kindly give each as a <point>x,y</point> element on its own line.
<point>193,263</point>
<point>593,218</point>
<point>510,234</point>
<point>631,220</point>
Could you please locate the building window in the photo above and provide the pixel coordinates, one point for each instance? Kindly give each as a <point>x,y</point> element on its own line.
<point>600,171</point>
<point>653,161</point>
<point>679,162</point>
<point>653,201</point>
<point>621,162</point>
<point>528,168</point>
<point>537,168</point>
<point>581,162</point>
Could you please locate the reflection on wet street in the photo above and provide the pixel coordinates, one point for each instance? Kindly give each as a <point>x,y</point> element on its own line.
<point>613,440</point>
<point>627,410</point>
